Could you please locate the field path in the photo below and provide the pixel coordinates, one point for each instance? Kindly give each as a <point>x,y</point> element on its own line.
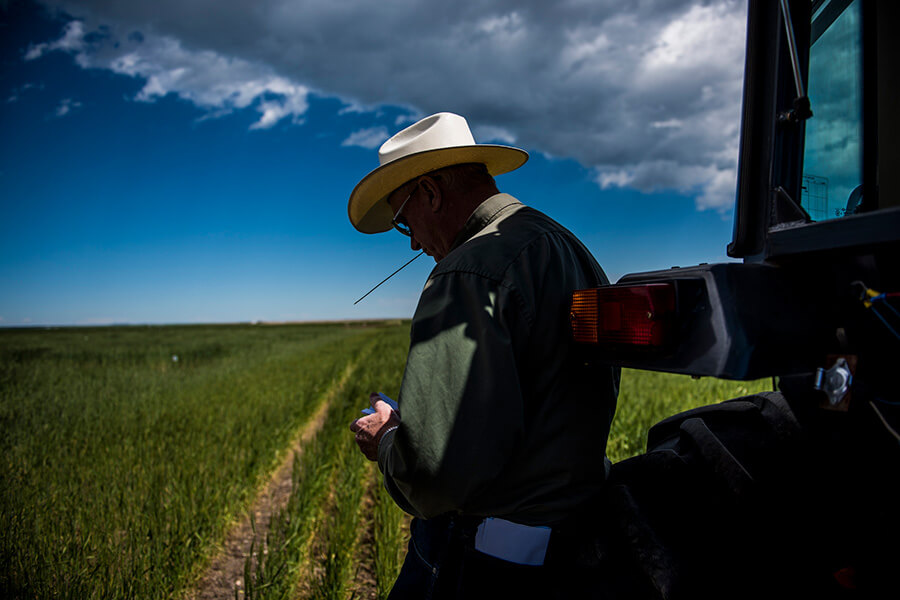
<point>224,578</point>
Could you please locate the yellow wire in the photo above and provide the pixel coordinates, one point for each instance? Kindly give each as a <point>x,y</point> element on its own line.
<point>870,293</point>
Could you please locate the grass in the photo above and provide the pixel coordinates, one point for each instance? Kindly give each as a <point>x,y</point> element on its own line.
<point>646,398</point>
<point>314,544</point>
<point>390,524</point>
<point>123,467</point>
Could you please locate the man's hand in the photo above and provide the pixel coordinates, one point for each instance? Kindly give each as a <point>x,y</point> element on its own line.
<point>370,428</point>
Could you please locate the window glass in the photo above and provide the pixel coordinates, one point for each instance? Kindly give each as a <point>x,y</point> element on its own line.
<point>832,162</point>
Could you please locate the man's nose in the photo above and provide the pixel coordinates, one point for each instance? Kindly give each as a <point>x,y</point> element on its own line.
<point>414,243</point>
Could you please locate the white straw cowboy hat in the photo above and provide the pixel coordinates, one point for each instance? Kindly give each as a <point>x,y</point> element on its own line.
<point>434,142</point>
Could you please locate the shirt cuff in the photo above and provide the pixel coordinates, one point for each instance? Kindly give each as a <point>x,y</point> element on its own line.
<point>384,445</point>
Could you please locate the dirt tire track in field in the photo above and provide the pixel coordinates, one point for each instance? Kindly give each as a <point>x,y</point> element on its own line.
<point>365,586</point>
<point>362,583</point>
<point>224,577</point>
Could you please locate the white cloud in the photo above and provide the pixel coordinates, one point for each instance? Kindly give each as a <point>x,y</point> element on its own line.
<point>209,80</point>
<point>72,40</point>
<point>370,138</point>
<point>509,23</point>
<point>353,108</point>
<point>408,119</point>
<point>489,133</point>
<point>66,106</point>
<point>713,187</point>
<point>614,178</point>
<point>17,92</point>
<point>719,189</point>
<point>667,124</point>
<point>646,93</point>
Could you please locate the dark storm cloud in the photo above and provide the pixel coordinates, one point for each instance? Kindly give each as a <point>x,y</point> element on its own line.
<point>646,93</point>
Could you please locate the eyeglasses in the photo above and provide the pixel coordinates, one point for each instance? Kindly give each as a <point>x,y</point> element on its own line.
<point>399,222</point>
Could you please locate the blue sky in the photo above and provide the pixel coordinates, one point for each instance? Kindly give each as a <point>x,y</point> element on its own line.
<point>158,167</point>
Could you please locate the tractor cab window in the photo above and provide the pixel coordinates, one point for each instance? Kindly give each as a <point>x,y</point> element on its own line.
<point>832,161</point>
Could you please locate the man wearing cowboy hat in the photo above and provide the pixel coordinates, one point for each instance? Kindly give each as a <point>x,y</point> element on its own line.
<point>500,434</point>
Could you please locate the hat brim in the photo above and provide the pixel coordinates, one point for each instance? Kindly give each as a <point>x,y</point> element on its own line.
<point>370,213</point>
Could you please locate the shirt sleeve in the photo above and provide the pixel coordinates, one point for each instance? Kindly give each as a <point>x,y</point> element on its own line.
<point>460,400</point>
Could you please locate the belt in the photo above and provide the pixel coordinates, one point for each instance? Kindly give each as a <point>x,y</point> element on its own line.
<point>512,542</point>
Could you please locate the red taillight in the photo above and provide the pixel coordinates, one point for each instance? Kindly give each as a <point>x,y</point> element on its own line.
<point>629,315</point>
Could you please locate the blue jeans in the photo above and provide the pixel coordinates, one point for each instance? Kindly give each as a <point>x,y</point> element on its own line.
<point>442,563</point>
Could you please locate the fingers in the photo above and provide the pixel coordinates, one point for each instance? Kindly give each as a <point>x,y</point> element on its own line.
<point>368,428</point>
<point>366,444</point>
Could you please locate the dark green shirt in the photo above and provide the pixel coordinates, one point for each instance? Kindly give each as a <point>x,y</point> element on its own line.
<point>500,414</point>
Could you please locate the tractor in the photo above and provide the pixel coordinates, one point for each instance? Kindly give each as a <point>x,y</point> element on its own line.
<point>791,493</point>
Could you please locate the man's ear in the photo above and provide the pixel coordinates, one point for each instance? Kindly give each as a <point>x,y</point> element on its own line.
<point>432,193</point>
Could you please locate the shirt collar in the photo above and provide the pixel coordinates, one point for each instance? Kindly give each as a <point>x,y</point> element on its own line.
<point>483,215</point>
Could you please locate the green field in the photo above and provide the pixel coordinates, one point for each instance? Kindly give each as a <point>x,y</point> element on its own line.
<point>129,453</point>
